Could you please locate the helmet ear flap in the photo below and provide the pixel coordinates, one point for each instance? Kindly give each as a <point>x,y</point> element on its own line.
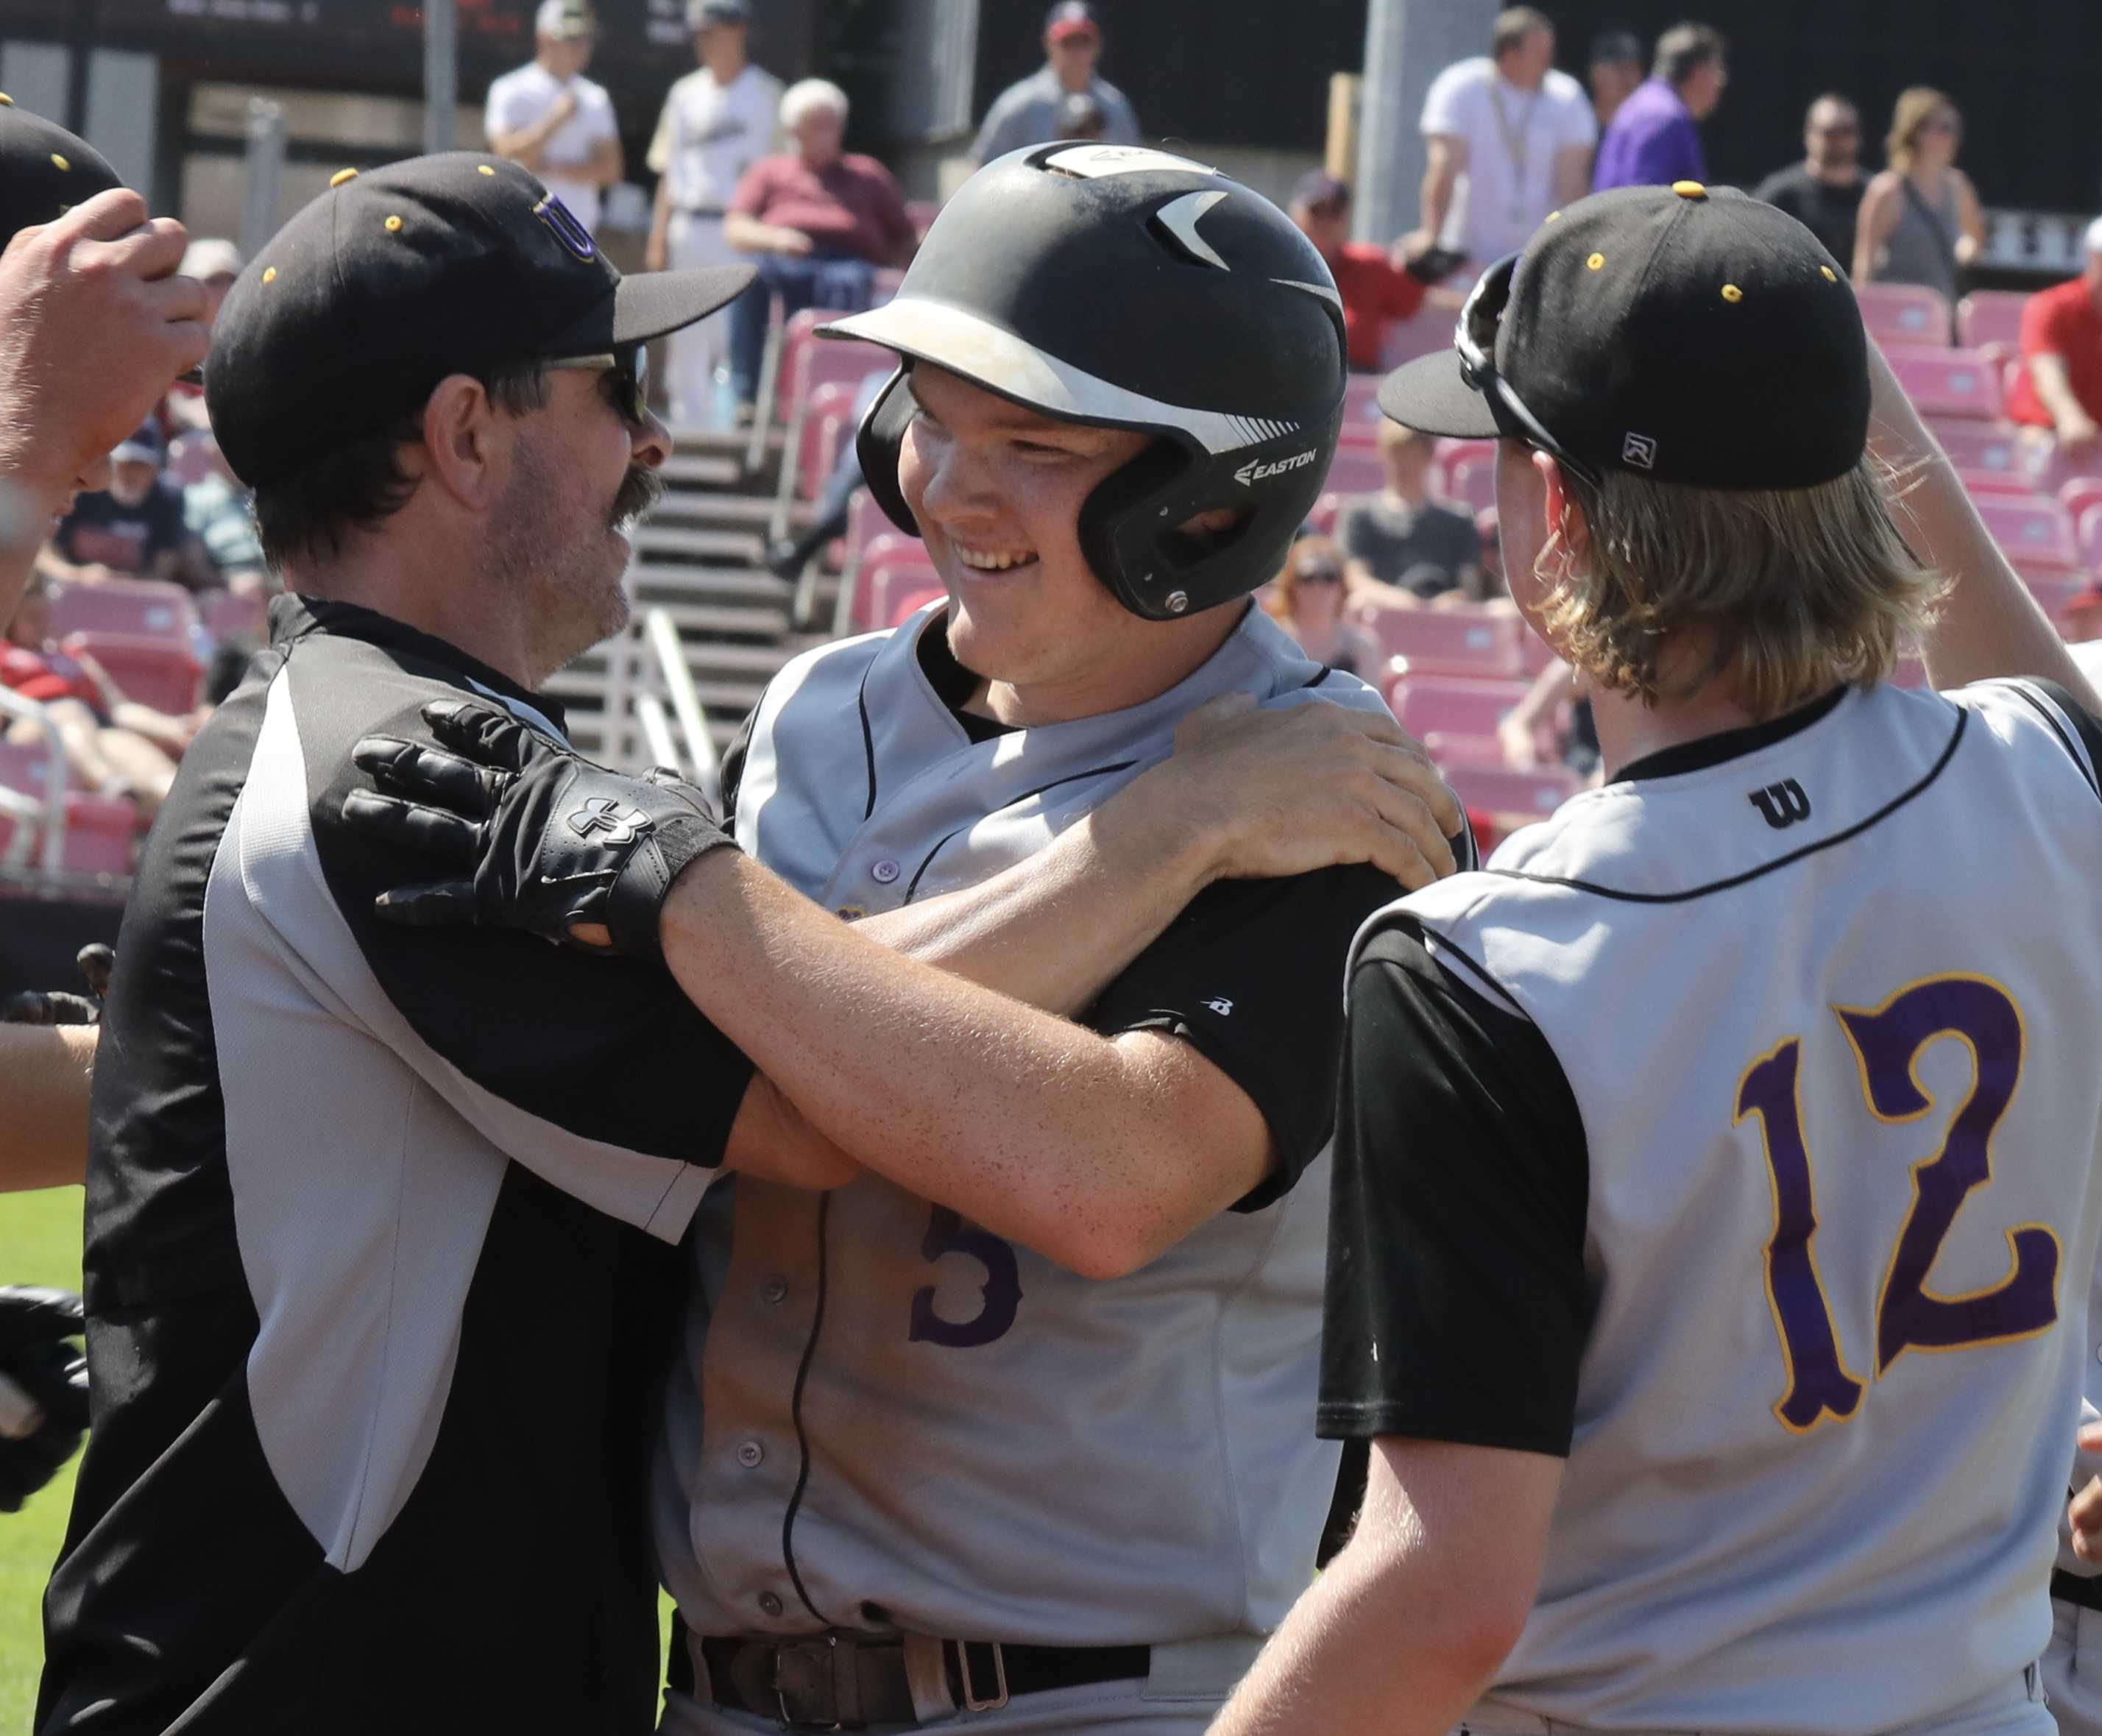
<point>877,443</point>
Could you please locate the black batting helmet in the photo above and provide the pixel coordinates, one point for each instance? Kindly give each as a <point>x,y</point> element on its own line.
<point>1125,287</point>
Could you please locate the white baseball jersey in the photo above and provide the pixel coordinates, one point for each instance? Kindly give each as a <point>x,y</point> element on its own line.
<point>519,98</point>
<point>1828,1009</point>
<point>710,134</point>
<point>890,1417</point>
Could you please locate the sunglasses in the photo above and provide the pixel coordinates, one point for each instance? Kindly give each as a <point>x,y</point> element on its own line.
<point>1321,574</point>
<point>1476,339</point>
<point>627,371</point>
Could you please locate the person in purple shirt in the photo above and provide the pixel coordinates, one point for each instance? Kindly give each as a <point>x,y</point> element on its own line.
<point>1653,141</point>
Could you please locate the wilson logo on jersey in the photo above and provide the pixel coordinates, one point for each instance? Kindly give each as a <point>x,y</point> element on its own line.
<point>1251,473</point>
<point>1780,805</point>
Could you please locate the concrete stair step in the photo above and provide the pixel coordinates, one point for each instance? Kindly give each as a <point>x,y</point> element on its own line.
<point>703,470</point>
<point>744,546</point>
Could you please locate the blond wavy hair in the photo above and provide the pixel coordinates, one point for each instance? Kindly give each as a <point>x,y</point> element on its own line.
<point>1798,589</point>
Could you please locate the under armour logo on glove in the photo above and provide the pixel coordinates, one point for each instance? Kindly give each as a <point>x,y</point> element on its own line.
<point>532,835</point>
<point>604,819</point>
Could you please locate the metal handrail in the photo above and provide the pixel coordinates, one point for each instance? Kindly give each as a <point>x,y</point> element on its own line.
<point>769,367</point>
<point>657,733</point>
<point>663,634</point>
<point>57,778</point>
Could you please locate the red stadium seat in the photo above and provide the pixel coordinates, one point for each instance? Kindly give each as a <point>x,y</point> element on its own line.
<point>2002,482</point>
<point>1482,752</point>
<point>1321,521</point>
<point>2088,531</point>
<point>1355,470</point>
<point>1505,790</point>
<point>229,615</point>
<point>99,830</point>
<point>827,424</point>
<point>892,574</point>
<point>1451,454</point>
<point>157,672</point>
<point>1986,318</point>
<point>911,601</point>
<point>1361,410</point>
<point>1451,705</point>
<point>2054,592</point>
<point>1949,382</point>
<point>1981,447</point>
<point>1473,485</point>
<point>1448,641</point>
<point>2035,533</point>
<point>1904,312</point>
<point>141,608</point>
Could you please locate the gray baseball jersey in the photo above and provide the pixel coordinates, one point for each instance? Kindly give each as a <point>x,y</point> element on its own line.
<point>1825,1007</point>
<point>890,1417</point>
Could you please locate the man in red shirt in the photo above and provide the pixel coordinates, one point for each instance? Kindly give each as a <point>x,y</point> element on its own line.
<point>1375,289</point>
<point>821,221</point>
<point>2059,385</point>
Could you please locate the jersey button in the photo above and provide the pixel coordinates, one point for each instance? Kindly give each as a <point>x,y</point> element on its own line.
<point>750,1454</point>
<point>774,1289</point>
<point>886,871</point>
<point>769,1603</point>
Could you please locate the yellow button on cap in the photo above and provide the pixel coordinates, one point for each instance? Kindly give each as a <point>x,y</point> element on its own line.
<point>1596,261</point>
<point>1731,292</point>
<point>1830,275</point>
<point>1689,189</point>
<point>269,274</point>
<point>6,100</point>
<point>393,225</point>
<point>60,163</point>
<point>484,169</point>
<point>341,176</point>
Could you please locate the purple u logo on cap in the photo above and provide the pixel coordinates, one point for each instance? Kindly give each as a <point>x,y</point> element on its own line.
<point>568,231</point>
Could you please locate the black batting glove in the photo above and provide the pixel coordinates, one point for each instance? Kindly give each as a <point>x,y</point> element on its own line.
<point>43,1388</point>
<point>59,1007</point>
<point>532,835</point>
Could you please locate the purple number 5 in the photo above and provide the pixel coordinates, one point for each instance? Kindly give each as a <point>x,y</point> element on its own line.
<point>1887,1042</point>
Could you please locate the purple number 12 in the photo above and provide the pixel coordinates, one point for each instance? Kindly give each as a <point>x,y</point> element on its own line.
<point>1886,1042</point>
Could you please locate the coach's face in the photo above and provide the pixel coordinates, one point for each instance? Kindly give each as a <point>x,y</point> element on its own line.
<point>997,490</point>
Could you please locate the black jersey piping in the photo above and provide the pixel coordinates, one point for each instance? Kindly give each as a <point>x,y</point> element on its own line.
<point>2047,710</point>
<point>802,1434</point>
<point>1882,814</point>
<point>1327,669</point>
<point>1097,771</point>
<point>867,738</point>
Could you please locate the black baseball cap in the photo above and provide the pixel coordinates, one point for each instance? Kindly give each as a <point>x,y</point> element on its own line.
<point>1690,334</point>
<point>1317,188</point>
<point>393,280</point>
<point>44,170</point>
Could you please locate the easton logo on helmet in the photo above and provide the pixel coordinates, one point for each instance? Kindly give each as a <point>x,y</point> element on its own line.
<point>1251,473</point>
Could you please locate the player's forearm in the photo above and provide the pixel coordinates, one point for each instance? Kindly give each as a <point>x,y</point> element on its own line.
<point>1096,1154</point>
<point>45,1072</point>
<point>1407,1628</point>
<point>607,164</point>
<point>1055,929</point>
<point>1989,624</point>
<point>1572,174</point>
<point>1436,195</point>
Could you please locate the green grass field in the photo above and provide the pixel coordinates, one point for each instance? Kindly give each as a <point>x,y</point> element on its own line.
<point>39,1244</point>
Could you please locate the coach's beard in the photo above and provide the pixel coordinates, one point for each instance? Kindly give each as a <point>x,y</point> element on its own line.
<point>640,490</point>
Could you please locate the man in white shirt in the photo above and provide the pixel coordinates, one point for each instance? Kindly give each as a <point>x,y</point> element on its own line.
<point>548,118</point>
<point>1508,140</point>
<point>718,120</point>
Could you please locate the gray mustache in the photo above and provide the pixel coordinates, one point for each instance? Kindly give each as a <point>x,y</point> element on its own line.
<point>640,490</point>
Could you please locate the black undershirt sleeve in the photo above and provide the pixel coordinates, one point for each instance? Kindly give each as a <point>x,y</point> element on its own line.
<point>733,769</point>
<point>2088,726</point>
<point>1251,976</point>
<point>1458,1300</point>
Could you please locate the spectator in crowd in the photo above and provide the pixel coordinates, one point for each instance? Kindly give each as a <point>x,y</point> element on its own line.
<point>788,556</point>
<point>1823,192</point>
<point>113,745</point>
<point>1306,599</point>
<point>214,263</point>
<point>1400,543</point>
<point>1920,220</point>
<point>1027,111</point>
<point>2059,385</point>
<point>1507,139</point>
<point>134,528</point>
<point>548,118</point>
<point>1375,289</point>
<point>1559,703</point>
<point>215,509</point>
<point>821,222</point>
<point>718,120</point>
<point>1081,116</point>
<point>1616,70</point>
<point>1655,139</point>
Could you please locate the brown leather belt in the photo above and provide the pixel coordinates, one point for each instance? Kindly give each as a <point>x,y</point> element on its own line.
<point>848,1681</point>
